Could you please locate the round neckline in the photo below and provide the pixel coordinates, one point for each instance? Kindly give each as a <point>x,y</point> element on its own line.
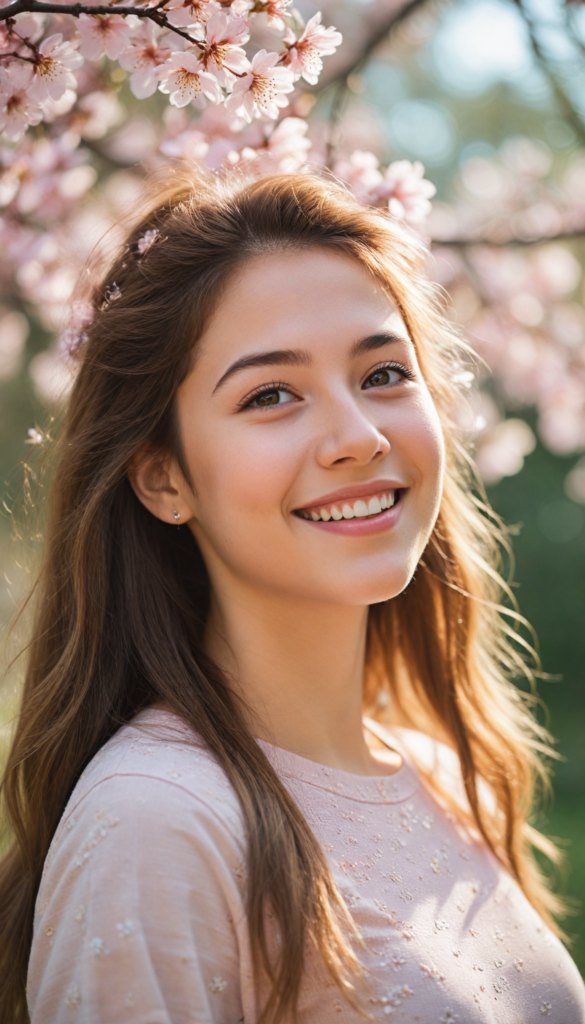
<point>376,789</point>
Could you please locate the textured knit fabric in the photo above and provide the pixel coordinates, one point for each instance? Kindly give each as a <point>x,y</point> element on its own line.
<point>140,917</point>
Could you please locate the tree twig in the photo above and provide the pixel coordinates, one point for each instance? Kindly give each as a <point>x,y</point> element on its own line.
<point>44,7</point>
<point>563,99</point>
<point>467,243</point>
<point>371,44</point>
<point>340,81</point>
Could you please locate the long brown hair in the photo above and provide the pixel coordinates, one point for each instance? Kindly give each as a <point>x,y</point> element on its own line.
<point>122,598</point>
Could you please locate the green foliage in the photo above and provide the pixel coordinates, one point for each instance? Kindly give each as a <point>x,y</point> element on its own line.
<point>550,573</point>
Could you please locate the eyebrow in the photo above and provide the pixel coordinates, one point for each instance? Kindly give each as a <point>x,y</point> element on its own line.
<point>300,357</point>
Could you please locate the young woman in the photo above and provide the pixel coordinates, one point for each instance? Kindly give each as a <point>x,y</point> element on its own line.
<point>264,536</point>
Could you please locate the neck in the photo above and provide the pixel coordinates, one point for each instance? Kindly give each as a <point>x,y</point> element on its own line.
<point>299,667</point>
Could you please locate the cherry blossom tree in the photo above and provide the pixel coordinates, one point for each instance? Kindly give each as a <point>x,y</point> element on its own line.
<point>243,82</point>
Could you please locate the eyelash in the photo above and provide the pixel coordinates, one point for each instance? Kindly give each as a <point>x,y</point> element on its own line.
<point>406,373</point>
<point>264,389</point>
<point>281,386</point>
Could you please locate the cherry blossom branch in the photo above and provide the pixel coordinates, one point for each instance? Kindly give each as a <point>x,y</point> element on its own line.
<point>75,10</point>
<point>371,44</point>
<point>466,243</point>
<point>341,81</point>
<point>563,99</point>
<point>571,31</point>
<point>42,7</point>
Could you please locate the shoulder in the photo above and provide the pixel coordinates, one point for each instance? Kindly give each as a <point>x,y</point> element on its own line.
<point>145,874</point>
<point>153,777</point>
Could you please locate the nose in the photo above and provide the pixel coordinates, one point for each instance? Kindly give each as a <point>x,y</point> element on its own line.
<point>348,436</point>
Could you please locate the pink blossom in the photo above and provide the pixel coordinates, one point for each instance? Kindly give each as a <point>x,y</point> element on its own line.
<point>34,436</point>
<point>182,77</point>
<point>113,293</point>
<point>188,12</point>
<point>503,449</point>
<point>304,54</point>
<point>75,334</point>
<point>407,190</point>
<point>28,26</point>
<point>261,91</point>
<point>142,56</point>
<point>53,109</point>
<point>222,56</point>
<point>47,170</point>
<point>53,69</point>
<point>288,145</point>
<point>556,271</point>
<point>96,113</point>
<point>191,144</point>
<point>284,153</point>
<point>17,109</point>
<point>361,172</point>
<point>274,9</point>
<point>147,240</point>
<point>102,33</point>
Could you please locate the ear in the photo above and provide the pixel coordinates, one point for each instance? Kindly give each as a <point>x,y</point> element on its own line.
<point>159,487</point>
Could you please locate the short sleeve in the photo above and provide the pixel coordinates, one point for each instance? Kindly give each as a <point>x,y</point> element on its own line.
<point>140,913</point>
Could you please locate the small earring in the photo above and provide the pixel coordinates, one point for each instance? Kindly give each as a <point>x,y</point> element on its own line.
<point>176,515</point>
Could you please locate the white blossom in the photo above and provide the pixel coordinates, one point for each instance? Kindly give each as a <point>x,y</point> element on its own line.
<point>17,109</point>
<point>53,69</point>
<point>262,91</point>
<point>182,78</point>
<point>103,33</point>
<point>304,54</point>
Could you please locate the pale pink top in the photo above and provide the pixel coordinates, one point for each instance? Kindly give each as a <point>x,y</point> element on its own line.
<point>140,917</point>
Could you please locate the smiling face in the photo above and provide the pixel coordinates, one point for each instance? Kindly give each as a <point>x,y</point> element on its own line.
<point>312,441</point>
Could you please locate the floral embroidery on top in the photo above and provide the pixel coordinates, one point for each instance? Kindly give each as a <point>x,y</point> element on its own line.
<point>96,835</point>
<point>72,997</point>
<point>97,946</point>
<point>417,888</point>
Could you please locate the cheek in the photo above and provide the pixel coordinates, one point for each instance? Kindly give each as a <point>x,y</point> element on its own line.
<point>423,443</point>
<point>243,471</point>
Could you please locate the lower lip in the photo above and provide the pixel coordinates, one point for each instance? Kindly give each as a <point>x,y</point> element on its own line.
<point>360,527</point>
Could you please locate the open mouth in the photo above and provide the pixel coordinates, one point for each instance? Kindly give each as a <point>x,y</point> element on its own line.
<point>360,508</point>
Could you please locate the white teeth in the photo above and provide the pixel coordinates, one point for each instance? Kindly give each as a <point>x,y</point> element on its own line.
<point>374,507</point>
<point>360,509</point>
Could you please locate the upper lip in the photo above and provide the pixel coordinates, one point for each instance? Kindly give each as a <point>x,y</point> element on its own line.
<point>354,491</point>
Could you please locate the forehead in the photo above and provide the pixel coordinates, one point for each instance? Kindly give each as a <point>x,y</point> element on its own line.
<point>299,297</point>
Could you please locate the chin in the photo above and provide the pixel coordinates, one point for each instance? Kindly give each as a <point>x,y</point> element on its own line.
<point>372,588</point>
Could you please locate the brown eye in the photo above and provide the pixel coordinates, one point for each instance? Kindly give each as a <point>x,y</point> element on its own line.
<point>382,377</point>
<point>268,398</point>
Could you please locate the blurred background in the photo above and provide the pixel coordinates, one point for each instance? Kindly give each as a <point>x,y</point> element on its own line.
<point>490,96</point>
